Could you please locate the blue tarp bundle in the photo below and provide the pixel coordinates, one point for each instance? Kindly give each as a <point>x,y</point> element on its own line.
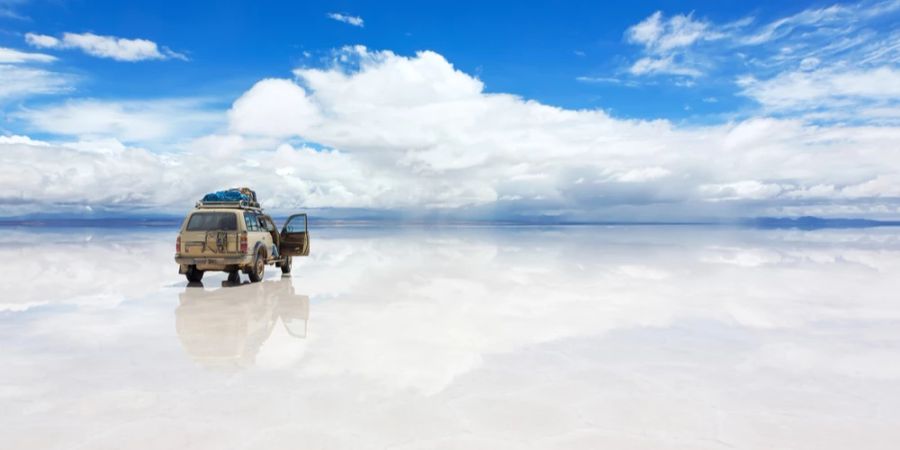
<point>231,195</point>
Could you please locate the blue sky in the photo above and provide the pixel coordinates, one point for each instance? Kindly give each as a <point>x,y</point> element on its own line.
<point>633,111</point>
<point>537,50</point>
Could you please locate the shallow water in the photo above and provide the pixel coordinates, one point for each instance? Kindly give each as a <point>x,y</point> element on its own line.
<point>574,337</point>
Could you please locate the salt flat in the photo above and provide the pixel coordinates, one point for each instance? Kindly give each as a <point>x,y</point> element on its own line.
<point>457,337</point>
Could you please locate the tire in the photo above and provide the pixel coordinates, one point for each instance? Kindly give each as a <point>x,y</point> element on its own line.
<point>286,265</point>
<point>234,277</point>
<point>193,275</point>
<point>259,268</point>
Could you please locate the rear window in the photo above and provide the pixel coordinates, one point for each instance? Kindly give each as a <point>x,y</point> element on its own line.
<point>207,221</point>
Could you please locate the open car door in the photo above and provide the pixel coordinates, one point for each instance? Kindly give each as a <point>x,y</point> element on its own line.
<point>295,236</point>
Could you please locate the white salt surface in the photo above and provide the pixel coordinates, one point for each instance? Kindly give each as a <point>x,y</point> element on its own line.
<point>451,338</point>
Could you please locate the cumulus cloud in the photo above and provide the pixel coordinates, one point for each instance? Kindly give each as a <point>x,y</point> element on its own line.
<point>381,131</point>
<point>97,173</point>
<point>112,47</point>
<point>273,107</point>
<point>110,176</point>
<point>356,21</point>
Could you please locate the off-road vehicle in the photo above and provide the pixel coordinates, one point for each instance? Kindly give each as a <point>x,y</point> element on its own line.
<point>233,236</point>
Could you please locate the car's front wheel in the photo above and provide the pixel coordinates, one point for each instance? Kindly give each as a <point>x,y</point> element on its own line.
<point>193,274</point>
<point>259,267</point>
<point>286,265</point>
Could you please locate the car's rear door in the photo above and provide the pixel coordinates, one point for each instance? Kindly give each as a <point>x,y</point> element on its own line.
<point>295,236</point>
<point>210,233</point>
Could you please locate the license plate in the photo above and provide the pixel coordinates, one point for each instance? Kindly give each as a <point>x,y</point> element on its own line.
<point>207,261</point>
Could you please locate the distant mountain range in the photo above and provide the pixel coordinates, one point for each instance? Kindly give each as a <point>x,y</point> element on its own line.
<point>812,223</point>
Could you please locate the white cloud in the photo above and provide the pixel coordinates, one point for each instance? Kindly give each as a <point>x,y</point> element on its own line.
<point>845,92</point>
<point>648,31</point>
<point>22,81</point>
<point>356,21</point>
<point>782,27</point>
<point>130,121</point>
<point>108,174</point>
<point>42,40</point>
<point>835,37</point>
<point>607,80</point>
<point>660,36</point>
<point>20,77</point>
<point>273,107</point>
<point>610,80</point>
<point>667,65</point>
<point>414,134</point>
<point>12,56</point>
<point>809,63</point>
<point>740,190</point>
<point>642,174</point>
<point>120,49</point>
<point>665,41</point>
<point>833,64</point>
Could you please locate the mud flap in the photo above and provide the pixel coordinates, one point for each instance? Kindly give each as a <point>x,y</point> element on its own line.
<point>182,269</point>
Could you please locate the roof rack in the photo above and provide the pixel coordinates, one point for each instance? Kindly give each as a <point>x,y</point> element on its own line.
<point>242,204</point>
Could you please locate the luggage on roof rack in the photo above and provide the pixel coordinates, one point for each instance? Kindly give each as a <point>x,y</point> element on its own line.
<point>242,197</point>
<point>248,192</point>
<point>241,204</point>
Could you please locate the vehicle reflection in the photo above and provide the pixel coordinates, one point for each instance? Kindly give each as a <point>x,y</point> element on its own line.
<point>225,328</point>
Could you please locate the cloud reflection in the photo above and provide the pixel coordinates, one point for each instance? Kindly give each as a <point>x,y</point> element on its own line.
<point>618,337</point>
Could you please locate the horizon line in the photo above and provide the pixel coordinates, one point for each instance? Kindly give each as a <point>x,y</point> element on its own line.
<point>164,221</point>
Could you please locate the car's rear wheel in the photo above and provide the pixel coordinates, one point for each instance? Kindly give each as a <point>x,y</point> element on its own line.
<point>259,267</point>
<point>193,274</point>
<point>286,265</point>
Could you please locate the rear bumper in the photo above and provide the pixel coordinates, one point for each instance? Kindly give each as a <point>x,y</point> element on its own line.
<point>214,260</point>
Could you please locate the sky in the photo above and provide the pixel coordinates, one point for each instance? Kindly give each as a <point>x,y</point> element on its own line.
<point>572,111</point>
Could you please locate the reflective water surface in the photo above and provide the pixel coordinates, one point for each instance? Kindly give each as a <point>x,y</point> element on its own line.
<point>493,338</point>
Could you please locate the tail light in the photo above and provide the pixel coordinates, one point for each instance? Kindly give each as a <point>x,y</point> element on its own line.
<point>178,244</point>
<point>243,242</point>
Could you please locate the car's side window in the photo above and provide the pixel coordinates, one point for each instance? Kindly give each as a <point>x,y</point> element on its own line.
<point>251,221</point>
<point>296,224</point>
